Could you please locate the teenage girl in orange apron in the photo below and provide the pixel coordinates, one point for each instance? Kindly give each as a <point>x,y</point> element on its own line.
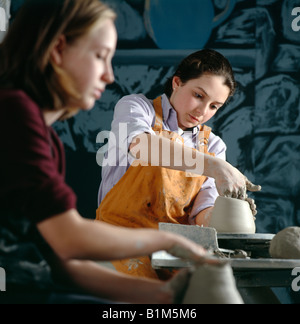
<point>148,195</point>
<point>139,205</point>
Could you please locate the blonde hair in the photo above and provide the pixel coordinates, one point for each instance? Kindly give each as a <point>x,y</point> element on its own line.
<point>25,53</point>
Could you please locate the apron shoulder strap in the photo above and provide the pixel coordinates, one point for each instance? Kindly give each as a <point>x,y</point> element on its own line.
<point>204,134</point>
<point>203,138</point>
<point>157,103</point>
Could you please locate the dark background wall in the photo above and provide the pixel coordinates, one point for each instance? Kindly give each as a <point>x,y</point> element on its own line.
<point>261,125</point>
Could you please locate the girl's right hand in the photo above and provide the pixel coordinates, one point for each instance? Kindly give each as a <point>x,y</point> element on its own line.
<point>230,182</point>
<point>186,249</point>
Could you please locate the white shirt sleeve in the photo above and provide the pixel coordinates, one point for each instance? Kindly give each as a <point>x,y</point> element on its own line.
<point>133,116</point>
<point>208,193</point>
<point>137,113</point>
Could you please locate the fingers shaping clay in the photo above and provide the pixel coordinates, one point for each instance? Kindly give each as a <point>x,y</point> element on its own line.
<point>286,244</point>
<point>178,285</point>
<point>212,285</point>
<point>232,216</point>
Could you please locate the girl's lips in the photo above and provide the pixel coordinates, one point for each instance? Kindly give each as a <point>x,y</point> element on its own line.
<point>98,93</point>
<point>194,118</point>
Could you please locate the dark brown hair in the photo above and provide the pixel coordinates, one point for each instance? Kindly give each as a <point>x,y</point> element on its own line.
<point>25,53</point>
<point>203,62</point>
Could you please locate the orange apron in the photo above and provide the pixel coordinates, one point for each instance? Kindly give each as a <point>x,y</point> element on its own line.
<point>147,195</point>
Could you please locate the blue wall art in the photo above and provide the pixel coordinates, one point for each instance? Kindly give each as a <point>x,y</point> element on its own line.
<point>260,125</point>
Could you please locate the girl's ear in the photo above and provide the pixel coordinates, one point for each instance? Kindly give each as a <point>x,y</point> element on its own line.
<point>176,83</point>
<point>58,49</point>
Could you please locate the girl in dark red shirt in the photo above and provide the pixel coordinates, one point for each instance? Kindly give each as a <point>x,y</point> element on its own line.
<point>56,60</point>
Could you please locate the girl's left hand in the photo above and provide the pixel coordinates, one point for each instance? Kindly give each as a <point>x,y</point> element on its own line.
<point>252,206</point>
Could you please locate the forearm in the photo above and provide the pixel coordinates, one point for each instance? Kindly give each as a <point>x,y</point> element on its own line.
<point>160,151</point>
<point>106,242</point>
<point>203,218</point>
<point>73,237</point>
<point>94,279</point>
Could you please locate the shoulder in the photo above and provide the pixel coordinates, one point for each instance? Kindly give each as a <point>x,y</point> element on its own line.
<point>136,98</point>
<point>17,101</point>
<point>14,95</point>
<point>217,145</point>
<point>23,117</point>
<point>135,102</point>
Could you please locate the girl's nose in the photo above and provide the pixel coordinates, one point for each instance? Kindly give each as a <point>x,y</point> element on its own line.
<point>203,109</point>
<point>108,76</point>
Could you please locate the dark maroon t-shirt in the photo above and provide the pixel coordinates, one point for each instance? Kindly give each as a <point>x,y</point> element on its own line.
<point>32,189</point>
<point>32,161</point>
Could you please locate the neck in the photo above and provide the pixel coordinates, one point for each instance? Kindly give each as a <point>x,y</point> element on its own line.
<point>52,116</point>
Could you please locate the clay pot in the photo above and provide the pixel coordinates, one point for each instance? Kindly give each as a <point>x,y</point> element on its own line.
<point>212,285</point>
<point>232,216</point>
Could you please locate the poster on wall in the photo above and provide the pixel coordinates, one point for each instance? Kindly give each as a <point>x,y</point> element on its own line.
<point>4,17</point>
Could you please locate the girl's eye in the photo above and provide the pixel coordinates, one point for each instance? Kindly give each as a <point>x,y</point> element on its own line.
<point>214,107</point>
<point>197,95</point>
<point>100,56</point>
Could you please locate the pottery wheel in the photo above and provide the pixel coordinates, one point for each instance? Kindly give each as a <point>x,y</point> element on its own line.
<point>256,244</point>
